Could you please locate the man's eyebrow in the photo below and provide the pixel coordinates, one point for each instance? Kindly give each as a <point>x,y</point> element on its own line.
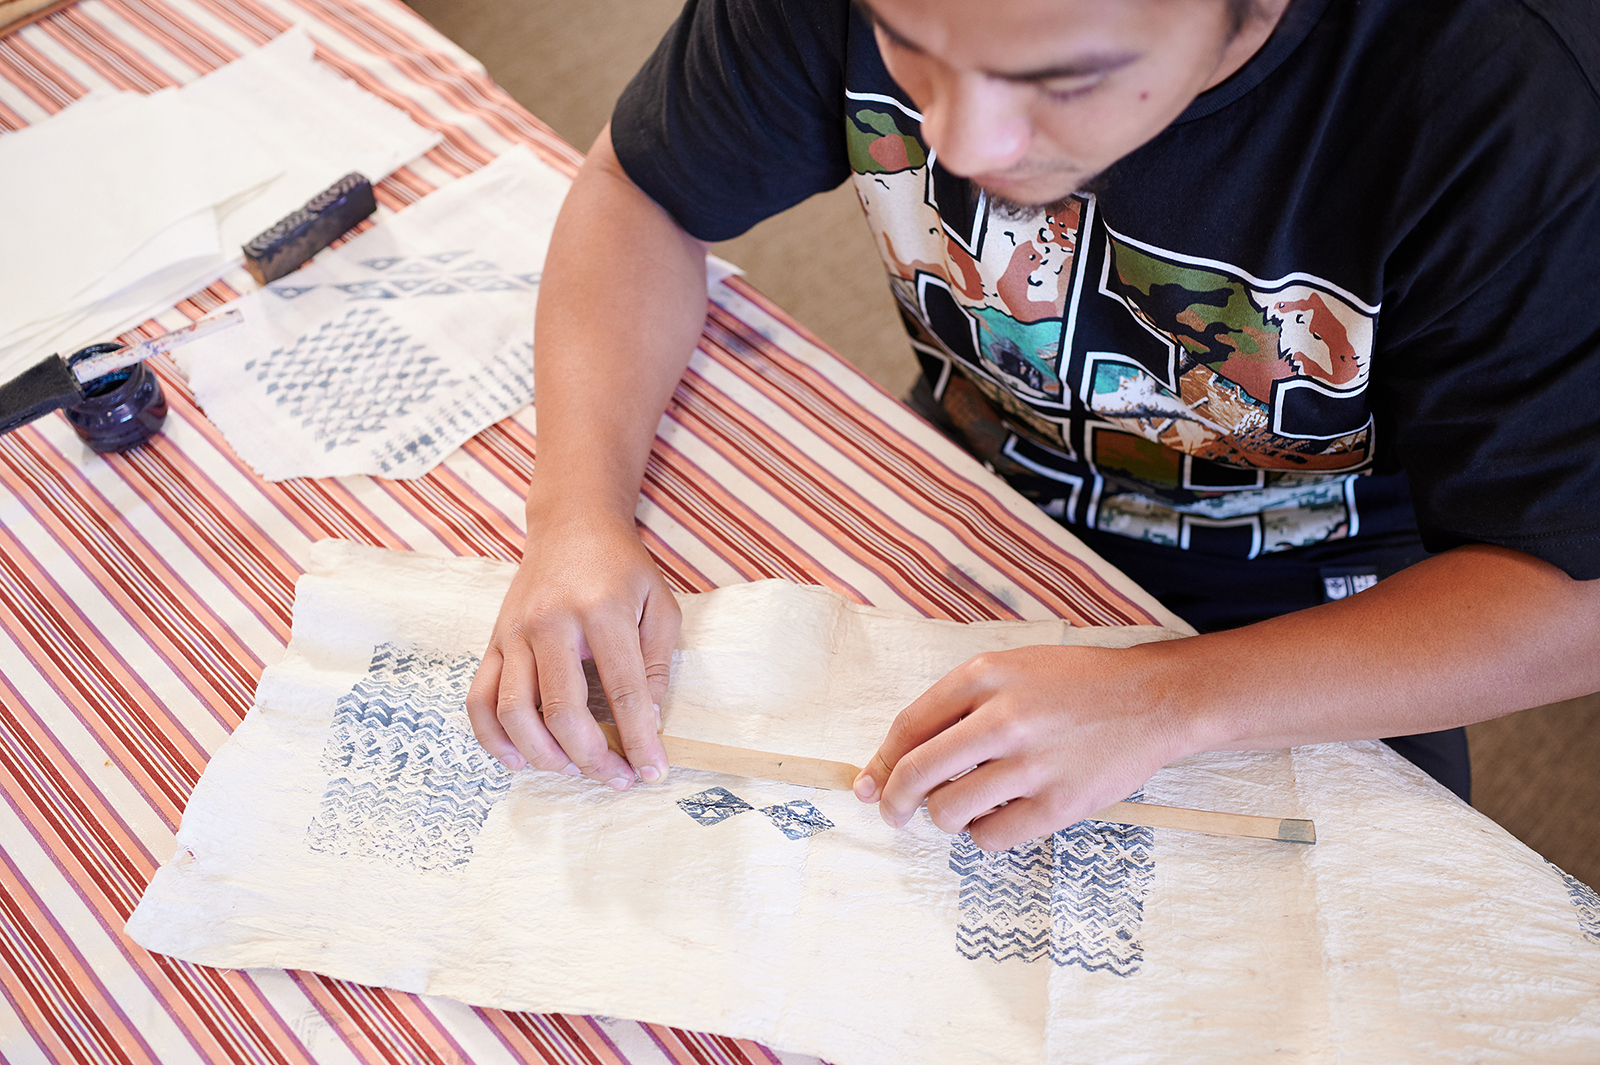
<point>1079,66</point>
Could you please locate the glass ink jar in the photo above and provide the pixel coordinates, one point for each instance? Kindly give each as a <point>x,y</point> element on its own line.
<point>121,410</point>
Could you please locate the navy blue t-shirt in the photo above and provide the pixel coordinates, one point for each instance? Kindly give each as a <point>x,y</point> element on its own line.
<point>1346,307</point>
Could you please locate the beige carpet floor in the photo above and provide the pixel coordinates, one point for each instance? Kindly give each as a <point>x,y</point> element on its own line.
<point>1537,772</point>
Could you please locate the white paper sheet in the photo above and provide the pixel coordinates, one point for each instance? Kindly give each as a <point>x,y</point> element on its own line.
<point>352,826</point>
<point>384,355</point>
<point>122,204</point>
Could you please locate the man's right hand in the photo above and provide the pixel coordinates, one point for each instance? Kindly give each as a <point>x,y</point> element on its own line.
<point>610,350</point>
<point>586,588</point>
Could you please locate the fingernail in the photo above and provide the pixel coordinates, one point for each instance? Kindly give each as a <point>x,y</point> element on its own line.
<point>511,762</point>
<point>570,769</point>
<point>619,784</point>
<point>658,715</point>
<point>864,787</point>
<point>649,774</point>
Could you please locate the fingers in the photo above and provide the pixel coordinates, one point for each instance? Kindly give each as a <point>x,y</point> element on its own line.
<point>937,710</point>
<point>635,678</point>
<point>564,707</point>
<point>481,699</point>
<point>620,663</point>
<point>1016,822</point>
<point>502,705</point>
<point>529,699</point>
<point>964,750</point>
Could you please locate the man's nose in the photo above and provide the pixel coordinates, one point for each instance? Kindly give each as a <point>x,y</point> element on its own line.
<point>976,124</point>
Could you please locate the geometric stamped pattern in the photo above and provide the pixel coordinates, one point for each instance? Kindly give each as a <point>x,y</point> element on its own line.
<point>450,273</point>
<point>350,376</point>
<point>409,784</point>
<point>1075,897</point>
<point>713,805</point>
<point>796,819</point>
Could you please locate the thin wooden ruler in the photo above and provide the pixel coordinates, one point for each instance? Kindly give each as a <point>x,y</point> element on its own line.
<point>839,776</point>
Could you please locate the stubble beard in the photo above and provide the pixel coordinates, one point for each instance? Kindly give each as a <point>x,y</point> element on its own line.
<point>1009,210</point>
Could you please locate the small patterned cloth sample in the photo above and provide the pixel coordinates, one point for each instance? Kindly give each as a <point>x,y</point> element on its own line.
<point>353,827</point>
<point>385,354</point>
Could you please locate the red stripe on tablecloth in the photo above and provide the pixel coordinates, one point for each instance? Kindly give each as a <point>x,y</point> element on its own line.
<point>95,683</point>
<point>155,599</point>
<point>376,1024</point>
<point>403,188</point>
<point>222,1013</point>
<point>255,21</point>
<point>197,47</point>
<point>62,1002</point>
<point>469,92</point>
<point>318,508</point>
<point>680,573</point>
<point>706,1049</point>
<point>50,792</point>
<point>507,451</point>
<point>215,528</point>
<point>9,119</point>
<point>468,152</point>
<point>456,514</point>
<point>1057,579</point>
<point>36,75</point>
<point>45,785</point>
<point>727,525</point>
<point>820,499</point>
<point>673,483</point>
<point>552,1037</point>
<point>328,509</point>
<point>101,50</point>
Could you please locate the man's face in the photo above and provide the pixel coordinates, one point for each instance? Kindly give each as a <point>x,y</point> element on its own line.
<point>1032,98</point>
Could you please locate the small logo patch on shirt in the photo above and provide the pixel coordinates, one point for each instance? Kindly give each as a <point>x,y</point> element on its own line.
<point>1341,582</point>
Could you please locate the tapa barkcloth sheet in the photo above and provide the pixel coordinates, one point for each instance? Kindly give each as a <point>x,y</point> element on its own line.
<point>352,826</point>
<point>387,353</point>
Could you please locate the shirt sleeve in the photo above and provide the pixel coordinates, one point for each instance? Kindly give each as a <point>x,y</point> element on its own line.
<point>739,113</point>
<point>1497,389</point>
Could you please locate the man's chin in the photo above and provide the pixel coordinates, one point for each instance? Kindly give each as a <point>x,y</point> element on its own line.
<point>1018,199</point>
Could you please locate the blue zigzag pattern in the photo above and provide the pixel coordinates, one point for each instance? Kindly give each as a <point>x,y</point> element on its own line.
<point>1075,897</point>
<point>408,786</point>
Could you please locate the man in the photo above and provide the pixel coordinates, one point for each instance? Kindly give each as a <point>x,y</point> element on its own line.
<point>1258,301</point>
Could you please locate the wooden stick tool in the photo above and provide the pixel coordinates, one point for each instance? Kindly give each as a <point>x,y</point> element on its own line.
<point>839,776</point>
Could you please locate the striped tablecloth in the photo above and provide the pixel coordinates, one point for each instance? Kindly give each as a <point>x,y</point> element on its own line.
<point>141,595</point>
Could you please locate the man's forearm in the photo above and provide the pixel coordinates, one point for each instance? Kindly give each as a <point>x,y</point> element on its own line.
<point>621,306</point>
<point>1468,635</point>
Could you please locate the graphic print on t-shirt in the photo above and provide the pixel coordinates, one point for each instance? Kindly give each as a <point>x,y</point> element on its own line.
<point>1126,387</point>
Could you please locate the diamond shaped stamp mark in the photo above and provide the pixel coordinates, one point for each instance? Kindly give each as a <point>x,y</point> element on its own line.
<point>713,805</point>
<point>797,819</point>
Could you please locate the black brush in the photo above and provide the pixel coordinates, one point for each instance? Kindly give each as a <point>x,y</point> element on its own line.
<point>56,382</point>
